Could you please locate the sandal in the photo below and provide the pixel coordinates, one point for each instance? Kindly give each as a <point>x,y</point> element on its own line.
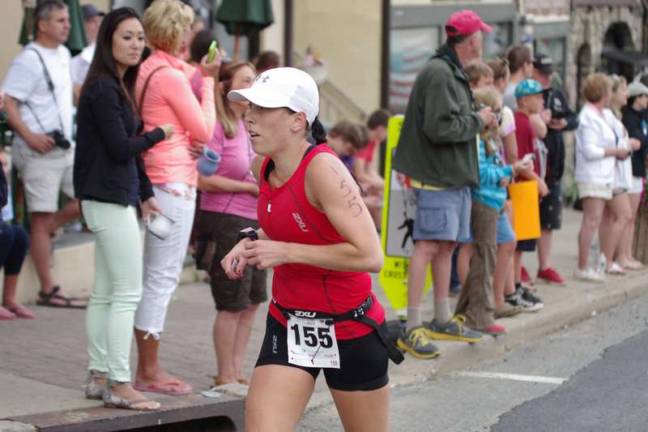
<point>94,390</point>
<point>112,401</point>
<point>45,299</point>
<point>6,314</point>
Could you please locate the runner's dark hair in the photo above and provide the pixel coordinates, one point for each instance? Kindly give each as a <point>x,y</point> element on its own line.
<point>318,132</point>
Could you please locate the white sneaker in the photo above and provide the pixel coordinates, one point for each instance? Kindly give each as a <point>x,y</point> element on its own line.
<point>589,275</point>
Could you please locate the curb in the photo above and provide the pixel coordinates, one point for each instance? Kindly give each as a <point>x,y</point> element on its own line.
<point>456,356</point>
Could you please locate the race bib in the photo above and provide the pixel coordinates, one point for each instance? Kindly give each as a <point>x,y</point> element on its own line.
<point>312,343</point>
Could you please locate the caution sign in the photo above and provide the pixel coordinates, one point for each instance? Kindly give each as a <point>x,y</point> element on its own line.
<point>398,215</point>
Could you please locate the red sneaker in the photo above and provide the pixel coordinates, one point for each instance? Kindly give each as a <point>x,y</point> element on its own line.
<point>551,276</point>
<point>494,330</point>
<point>524,276</point>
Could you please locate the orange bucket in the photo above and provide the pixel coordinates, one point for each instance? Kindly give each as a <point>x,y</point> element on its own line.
<point>526,209</point>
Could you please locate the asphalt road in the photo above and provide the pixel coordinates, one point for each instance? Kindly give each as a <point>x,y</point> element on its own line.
<point>591,377</point>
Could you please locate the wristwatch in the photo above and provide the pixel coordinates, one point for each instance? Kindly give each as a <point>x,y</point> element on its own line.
<point>248,232</point>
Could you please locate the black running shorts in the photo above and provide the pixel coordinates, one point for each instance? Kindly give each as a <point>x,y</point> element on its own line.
<point>363,360</point>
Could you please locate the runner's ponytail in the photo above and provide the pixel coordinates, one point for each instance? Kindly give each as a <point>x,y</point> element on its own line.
<point>317,131</point>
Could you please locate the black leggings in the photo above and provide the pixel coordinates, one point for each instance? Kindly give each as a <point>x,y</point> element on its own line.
<point>13,248</point>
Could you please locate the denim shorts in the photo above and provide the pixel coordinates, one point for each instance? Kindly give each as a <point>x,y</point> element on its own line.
<point>443,215</point>
<point>505,232</point>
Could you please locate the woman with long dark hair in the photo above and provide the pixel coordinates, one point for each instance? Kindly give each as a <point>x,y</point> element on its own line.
<point>110,182</point>
<point>318,235</point>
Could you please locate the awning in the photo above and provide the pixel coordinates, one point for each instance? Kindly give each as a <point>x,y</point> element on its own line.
<point>635,58</point>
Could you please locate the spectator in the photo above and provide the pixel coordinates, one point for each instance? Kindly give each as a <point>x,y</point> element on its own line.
<point>346,139</point>
<point>437,151</point>
<point>634,119</point>
<point>364,164</point>
<point>563,119</point>
<point>111,183</point>
<point>520,63</point>
<point>267,60</point>
<point>81,62</point>
<point>39,108</point>
<point>164,95</point>
<point>479,74</point>
<point>200,46</point>
<point>228,203</point>
<point>528,94</point>
<point>197,26</point>
<point>617,214</point>
<point>476,298</point>
<point>596,154</point>
<point>13,248</point>
<point>503,275</point>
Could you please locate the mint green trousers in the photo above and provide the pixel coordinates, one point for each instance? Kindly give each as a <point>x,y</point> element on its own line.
<point>117,287</point>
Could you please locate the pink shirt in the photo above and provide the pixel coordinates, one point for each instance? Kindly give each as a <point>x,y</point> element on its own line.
<point>170,99</point>
<point>236,161</point>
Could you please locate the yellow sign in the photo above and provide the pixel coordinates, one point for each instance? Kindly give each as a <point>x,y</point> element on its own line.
<point>398,215</point>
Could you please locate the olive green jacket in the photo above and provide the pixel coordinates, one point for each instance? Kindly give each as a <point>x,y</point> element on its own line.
<point>438,141</point>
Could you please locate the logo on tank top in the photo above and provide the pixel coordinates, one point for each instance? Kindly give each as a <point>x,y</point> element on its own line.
<point>300,222</point>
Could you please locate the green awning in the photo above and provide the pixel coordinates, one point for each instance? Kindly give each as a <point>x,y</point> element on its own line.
<point>245,17</point>
<point>77,39</point>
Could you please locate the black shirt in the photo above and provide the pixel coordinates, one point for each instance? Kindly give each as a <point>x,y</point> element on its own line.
<point>4,190</point>
<point>556,101</point>
<point>107,164</point>
<point>637,126</point>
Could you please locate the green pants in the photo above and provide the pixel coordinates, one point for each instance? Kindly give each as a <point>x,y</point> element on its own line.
<point>117,288</point>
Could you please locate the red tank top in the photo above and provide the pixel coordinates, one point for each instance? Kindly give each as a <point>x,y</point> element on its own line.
<point>286,215</point>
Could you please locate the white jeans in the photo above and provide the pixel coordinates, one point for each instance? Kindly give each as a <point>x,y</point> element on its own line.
<point>163,261</point>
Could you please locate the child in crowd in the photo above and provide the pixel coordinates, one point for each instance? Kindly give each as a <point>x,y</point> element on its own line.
<point>346,139</point>
<point>476,299</point>
<point>364,165</point>
<point>528,94</point>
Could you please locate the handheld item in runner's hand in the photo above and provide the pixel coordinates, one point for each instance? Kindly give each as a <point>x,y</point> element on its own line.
<point>211,53</point>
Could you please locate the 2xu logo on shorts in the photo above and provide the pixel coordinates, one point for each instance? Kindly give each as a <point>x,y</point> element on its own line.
<point>305,314</point>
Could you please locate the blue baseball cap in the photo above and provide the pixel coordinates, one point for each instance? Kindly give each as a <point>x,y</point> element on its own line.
<point>528,87</point>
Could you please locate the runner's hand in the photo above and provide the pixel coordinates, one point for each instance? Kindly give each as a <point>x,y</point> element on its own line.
<point>266,253</point>
<point>40,142</point>
<point>234,262</point>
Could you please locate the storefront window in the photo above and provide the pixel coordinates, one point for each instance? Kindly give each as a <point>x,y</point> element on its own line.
<point>410,50</point>
<point>497,41</point>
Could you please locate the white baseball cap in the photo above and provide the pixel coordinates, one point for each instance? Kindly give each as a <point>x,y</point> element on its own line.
<point>283,87</point>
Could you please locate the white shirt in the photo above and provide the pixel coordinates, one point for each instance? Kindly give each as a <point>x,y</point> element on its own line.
<point>593,136</point>
<point>80,64</point>
<point>25,81</point>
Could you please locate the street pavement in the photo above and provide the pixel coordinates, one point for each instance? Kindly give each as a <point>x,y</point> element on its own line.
<point>43,362</point>
<point>600,362</point>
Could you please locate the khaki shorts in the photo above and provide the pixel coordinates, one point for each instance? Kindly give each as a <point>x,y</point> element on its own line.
<point>595,190</point>
<point>44,176</point>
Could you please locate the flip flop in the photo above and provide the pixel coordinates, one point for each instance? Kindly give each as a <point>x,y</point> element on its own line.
<point>169,389</point>
<point>21,311</point>
<point>6,314</point>
<point>45,299</point>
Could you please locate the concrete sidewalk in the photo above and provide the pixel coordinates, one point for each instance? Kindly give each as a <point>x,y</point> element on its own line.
<point>42,362</point>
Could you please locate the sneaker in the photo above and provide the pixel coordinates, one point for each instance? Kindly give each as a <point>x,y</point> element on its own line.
<point>616,270</point>
<point>524,276</point>
<point>550,276</point>
<point>527,295</point>
<point>589,275</point>
<point>494,330</point>
<point>418,344</point>
<point>454,330</point>
<point>527,306</point>
<point>507,311</point>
